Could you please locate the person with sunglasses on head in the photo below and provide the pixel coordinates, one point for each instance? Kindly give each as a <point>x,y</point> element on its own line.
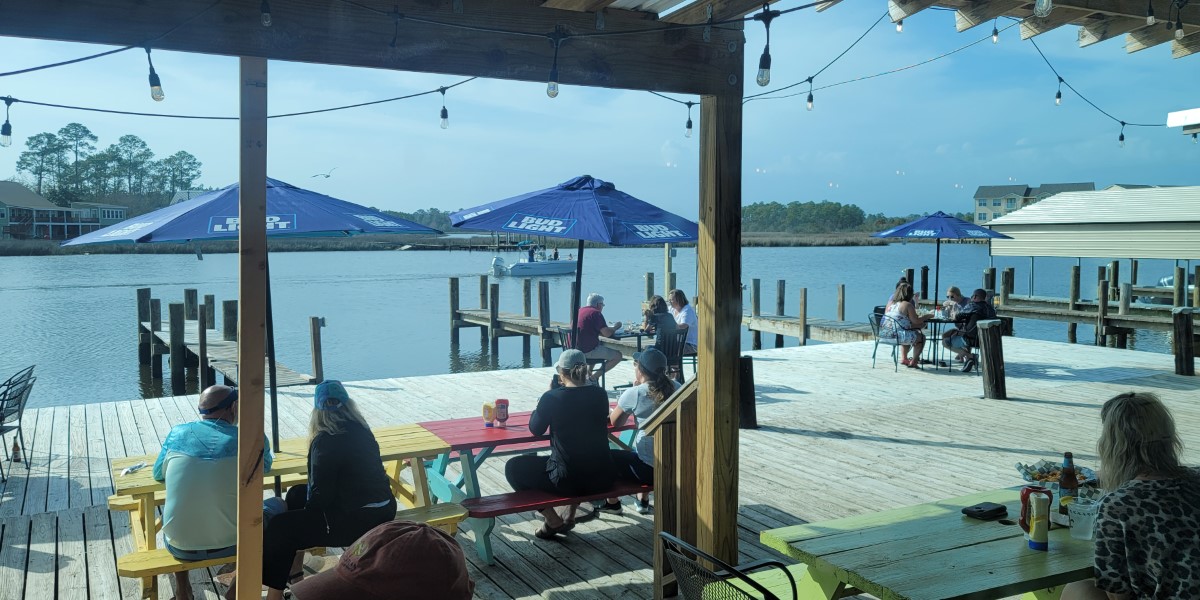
<point>198,465</point>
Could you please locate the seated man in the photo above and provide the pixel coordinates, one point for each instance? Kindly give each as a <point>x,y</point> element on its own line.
<point>955,301</point>
<point>198,462</point>
<point>961,339</point>
<point>591,327</point>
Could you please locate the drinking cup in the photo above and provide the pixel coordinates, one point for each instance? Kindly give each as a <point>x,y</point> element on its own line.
<point>1083,517</point>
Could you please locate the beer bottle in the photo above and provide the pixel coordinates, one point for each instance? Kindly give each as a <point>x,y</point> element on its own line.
<point>1068,483</point>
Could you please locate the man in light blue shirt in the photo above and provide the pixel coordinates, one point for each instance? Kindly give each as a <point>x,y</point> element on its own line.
<point>198,463</point>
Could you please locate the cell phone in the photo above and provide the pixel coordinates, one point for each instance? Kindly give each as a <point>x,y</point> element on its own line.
<point>133,468</point>
<point>986,511</point>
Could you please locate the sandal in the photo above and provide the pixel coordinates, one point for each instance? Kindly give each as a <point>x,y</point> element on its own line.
<point>546,532</point>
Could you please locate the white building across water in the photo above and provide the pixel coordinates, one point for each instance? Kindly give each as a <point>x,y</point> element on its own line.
<point>26,215</point>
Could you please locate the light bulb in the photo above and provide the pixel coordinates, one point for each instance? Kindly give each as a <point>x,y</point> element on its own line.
<point>688,132</point>
<point>552,85</point>
<point>6,134</point>
<point>995,36</point>
<point>900,26</point>
<point>810,101</point>
<point>1058,98</point>
<point>1194,140</point>
<point>1179,29</point>
<point>1121,140</point>
<point>156,91</point>
<point>1042,8</point>
<point>764,68</point>
<point>266,13</point>
<point>445,118</point>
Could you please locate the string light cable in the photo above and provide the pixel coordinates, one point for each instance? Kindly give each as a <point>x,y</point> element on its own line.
<point>1063,82</point>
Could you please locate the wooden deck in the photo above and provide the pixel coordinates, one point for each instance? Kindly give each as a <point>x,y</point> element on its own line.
<point>838,438</point>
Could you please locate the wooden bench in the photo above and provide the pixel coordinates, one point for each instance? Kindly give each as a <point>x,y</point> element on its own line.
<point>148,564</point>
<point>488,508</point>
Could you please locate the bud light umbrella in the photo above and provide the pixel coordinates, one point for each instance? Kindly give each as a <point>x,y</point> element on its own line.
<point>940,226</point>
<point>584,209</point>
<point>291,212</point>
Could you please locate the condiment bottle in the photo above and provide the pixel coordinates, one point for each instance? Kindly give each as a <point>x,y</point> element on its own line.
<point>1068,483</point>
<point>502,413</point>
<point>1039,522</point>
<point>489,414</point>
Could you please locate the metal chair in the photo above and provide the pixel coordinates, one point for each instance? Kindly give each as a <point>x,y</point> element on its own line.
<point>697,582</point>
<point>595,365</point>
<point>12,408</point>
<point>672,346</point>
<point>882,336</point>
<point>17,379</point>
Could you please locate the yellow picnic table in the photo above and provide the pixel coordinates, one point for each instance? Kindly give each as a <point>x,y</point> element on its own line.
<point>400,446</point>
<point>931,552</point>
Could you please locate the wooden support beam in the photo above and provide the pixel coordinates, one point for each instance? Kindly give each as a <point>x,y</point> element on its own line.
<point>1147,37</point>
<point>720,307</point>
<point>979,13</point>
<point>202,347</point>
<point>454,318</point>
<point>780,304</point>
<point>252,322</point>
<point>1098,30</point>
<point>824,6</point>
<point>898,9</point>
<point>1031,26</point>
<point>991,360</point>
<point>578,5</point>
<point>1184,342</point>
<point>755,310</point>
<point>143,315</point>
<point>318,357</point>
<point>544,321</point>
<point>1189,45</point>
<point>339,33</point>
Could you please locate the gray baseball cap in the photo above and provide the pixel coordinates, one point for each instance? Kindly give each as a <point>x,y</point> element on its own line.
<point>569,359</point>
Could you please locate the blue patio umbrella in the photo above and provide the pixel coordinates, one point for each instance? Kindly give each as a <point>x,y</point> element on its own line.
<point>583,209</point>
<point>940,226</point>
<point>291,212</point>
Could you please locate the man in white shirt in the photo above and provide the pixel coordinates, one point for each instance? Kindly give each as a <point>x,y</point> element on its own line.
<point>198,463</point>
<point>685,318</point>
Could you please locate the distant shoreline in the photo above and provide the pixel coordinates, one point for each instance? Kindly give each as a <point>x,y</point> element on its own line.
<point>481,243</point>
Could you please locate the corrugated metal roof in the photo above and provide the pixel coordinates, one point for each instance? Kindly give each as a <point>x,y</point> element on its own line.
<point>1150,205</point>
<point>15,194</point>
<point>998,191</point>
<point>1050,189</point>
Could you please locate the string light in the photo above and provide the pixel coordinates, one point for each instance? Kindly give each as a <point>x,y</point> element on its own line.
<point>265,9</point>
<point>1042,8</point>
<point>1150,20</point>
<point>810,94</point>
<point>764,61</point>
<point>995,33</point>
<point>687,133</point>
<point>900,26</point>
<point>1121,138</point>
<point>6,129</point>
<point>445,113</point>
<point>556,38</point>
<point>1179,25</point>
<point>156,91</point>
<point>1194,138</point>
<point>1058,95</point>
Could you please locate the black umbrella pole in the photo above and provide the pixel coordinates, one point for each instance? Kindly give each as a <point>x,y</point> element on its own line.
<point>271,374</point>
<point>576,294</point>
<point>937,272</point>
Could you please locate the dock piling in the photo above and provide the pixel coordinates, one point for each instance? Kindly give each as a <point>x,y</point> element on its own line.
<point>910,278</point>
<point>229,320</point>
<point>190,304</point>
<point>1184,342</point>
<point>1123,297</point>
<point>1114,279</point>
<point>755,311</point>
<point>802,316</point>
<point>210,310</point>
<point>202,347</point>
<point>1196,288</point>
<point>318,359</point>
<point>544,321</point>
<point>989,279</point>
<point>1133,271</point>
<point>494,319</point>
<point>175,315</point>
<point>483,305</point>
<point>925,282</point>
<point>454,318</point>
<point>780,296</point>
<point>1101,312</point>
<point>1180,286</point>
<point>841,305</point>
<point>527,308</point>
<point>649,285</point>
<point>1004,289</point>
<point>1073,302</point>
<point>143,316</point>
<point>991,360</point>
<point>156,367</point>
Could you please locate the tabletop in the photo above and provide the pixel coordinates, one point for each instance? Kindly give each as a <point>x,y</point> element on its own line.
<point>933,552</point>
<point>470,433</point>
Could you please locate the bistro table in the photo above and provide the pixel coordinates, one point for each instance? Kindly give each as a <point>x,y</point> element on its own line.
<point>639,333</point>
<point>933,341</point>
<point>932,552</point>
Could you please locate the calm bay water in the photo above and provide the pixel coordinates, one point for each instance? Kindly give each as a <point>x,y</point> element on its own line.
<point>388,312</point>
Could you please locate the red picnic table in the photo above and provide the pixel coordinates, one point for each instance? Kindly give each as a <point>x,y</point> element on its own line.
<point>474,443</point>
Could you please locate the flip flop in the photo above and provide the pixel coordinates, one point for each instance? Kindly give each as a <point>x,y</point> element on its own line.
<point>546,532</point>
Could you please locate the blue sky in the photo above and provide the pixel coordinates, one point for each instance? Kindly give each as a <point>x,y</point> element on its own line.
<point>917,141</point>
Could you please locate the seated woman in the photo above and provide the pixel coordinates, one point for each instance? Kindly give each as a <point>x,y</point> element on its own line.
<point>579,462</point>
<point>1146,538</point>
<point>659,320</point>
<point>906,324</point>
<point>651,387</point>
<point>347,495</point>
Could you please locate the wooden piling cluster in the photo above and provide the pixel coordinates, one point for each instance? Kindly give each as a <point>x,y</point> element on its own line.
<point>801,326</point>
<point>192,341</point>
<point>494,324</point>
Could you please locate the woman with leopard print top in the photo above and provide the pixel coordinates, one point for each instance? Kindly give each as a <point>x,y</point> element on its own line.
<point>1148,530</point>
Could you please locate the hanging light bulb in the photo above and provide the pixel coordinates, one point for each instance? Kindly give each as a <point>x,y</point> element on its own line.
<point>1179,28</point>
<point>556,38</point>
<point>1058,94</point>
<point>810,101</point>
<point>900,26</point>
<point>156,91</point>
<point>1150,20</point>
<point>995,34</point>
<point>1194,140</point>
<point>445,113</point>
<point>265,9</point>
<point>6,129</point>
<point>552,84</point>
<point>1121,138</point>
<point>764,61</point>
<point>1042,8</point>
<point>687,132</point>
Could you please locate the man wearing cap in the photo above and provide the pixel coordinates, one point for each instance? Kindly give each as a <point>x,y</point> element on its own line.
<point>592,325</point>
<point>198,463</point>
<point>966,335</point>
<point>396,559</point>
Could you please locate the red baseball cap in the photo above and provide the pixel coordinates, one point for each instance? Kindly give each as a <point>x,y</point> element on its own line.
<point>394,558</point>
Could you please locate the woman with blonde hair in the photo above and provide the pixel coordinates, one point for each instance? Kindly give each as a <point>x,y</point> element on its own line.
<point>1147,533</point>
<point>347,495</point>
<point>905,324</point>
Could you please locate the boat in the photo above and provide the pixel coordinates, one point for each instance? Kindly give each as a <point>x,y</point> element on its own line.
<point>1168,283</point>
<point>539,267</point>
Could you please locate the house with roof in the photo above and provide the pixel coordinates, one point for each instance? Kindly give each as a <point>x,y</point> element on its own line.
<point>26,215</point>
<point>995,201</point>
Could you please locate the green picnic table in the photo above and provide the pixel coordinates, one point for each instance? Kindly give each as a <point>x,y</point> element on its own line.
<point>931,552</point>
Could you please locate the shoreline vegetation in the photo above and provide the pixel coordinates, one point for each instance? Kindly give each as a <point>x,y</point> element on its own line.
<point>481,243</point>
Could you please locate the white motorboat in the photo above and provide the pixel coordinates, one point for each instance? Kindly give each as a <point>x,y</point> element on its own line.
<point>540,267</point>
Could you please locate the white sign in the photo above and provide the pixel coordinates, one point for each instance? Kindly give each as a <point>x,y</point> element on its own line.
<point>230,224</point>
<point>128,230</point>
<point>655,231</point>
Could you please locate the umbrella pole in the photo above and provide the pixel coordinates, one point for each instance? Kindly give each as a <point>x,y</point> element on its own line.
<point>937,272</point>
<point>576,292</point>
<point>271,373</point>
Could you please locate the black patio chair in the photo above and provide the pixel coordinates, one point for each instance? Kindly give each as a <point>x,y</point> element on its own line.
<point>885,335</point>
<point>672,346</point>
<point>12,408</point>
<point>698,582</point>
<point>17,379</point>
<point>596,365</point>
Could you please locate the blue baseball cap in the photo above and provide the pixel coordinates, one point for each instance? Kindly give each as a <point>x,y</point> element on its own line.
<point>327,391</point>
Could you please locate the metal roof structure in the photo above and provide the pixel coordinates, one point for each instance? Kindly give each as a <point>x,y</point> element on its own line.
<point>16,195</point>
<point>1000,191</point>
<point>1159,222</point>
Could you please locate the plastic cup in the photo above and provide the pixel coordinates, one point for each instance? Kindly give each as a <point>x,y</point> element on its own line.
<point>1083,518</point>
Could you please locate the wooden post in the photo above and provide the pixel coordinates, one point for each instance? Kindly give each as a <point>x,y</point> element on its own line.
<point>202,347</point>
<point>1004,289</point>
<point>527,297</point>
<point>910,278</point>
<point>1185,342</point>
<point>494,319</point>
<point>1114,279</point>
<point>841,303</point>
<point>1101,312</point>
<point>1133,271</point>
<point>780,296</point>
<point>318,359</point>
<point>175,321</point>
<point>649,286</point>
<point>991,360</point>
<point>989,278</point>
<point>1180,298</point>
<point>1125,295</point>
<point>483,305</point>
<point>252,325</point>
<point>1196,288</point>
<point>1101,273</point>
<point>719,256</point>
<point>747,408</point>
<point>1073,303</point>
<point>671,282</point>
<point>668,270</point>
<point>156,348</point>
<point>925,283</point>
<point>1008,281</point>
<point>143,334</point>
<point>454,317</point>
<point>190,304</point>
<point>666,497</point>
<point>229,320</point>
<point>210,310</point>
<point>544,321</point>
<point>755,311</point>
<point>802,316</point>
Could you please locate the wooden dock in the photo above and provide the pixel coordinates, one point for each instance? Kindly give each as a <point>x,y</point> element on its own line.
<point>222,354</point>
<point>837,438</point>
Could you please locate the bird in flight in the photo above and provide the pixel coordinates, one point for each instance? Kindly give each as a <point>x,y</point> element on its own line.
<point>326,175</point>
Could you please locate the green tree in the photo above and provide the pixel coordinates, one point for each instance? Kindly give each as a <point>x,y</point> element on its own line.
<point>100,174</point>
<point>133,161</point>
<point>44,157</point>
<point>179,171</point>
<point>79,142</point>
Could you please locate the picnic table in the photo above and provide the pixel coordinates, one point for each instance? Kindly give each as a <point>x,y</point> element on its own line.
<point>931,552</point>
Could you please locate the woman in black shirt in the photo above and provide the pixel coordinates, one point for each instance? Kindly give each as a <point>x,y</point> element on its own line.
<point>579,463</point>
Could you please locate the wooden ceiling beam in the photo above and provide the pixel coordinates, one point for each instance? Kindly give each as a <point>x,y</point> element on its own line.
<point>1032,26</point>
<point>578,5</point>
<point>903,9</point>
<point>824,6</point>
<point>1106,28</point>
<point>1188,46</point>
<point>1148,37</point>
<point>976,14</point>
<point>332,32</point>
<point>1130,8</point>
<point>697,12</point>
